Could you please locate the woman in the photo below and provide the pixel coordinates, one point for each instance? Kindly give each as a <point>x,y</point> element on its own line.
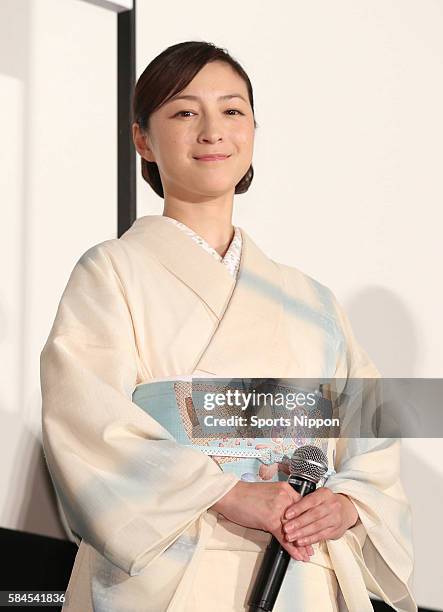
<point>163,525</point>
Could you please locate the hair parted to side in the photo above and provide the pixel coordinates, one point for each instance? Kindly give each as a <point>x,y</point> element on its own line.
<point>168,74</point>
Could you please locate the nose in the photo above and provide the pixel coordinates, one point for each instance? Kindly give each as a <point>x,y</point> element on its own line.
<point>210,130</point>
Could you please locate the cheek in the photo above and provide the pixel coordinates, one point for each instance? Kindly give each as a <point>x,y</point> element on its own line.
<point>169,139</point>
<point>173,150</point>
<point>244,138</point>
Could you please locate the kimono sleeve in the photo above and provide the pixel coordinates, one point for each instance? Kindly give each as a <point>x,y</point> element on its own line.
<point>125,485</point>
<point>368,472</point>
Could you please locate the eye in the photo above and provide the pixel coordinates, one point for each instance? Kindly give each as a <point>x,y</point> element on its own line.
<point>180,113</point>
<point>234,110</point>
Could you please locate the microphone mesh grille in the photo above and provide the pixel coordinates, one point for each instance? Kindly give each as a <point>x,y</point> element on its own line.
<point>309,462</point>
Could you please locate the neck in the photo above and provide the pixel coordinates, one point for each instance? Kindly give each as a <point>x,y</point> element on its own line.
<point>211,222</point>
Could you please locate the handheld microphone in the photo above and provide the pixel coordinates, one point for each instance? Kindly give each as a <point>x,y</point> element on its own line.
<point>308,465</point>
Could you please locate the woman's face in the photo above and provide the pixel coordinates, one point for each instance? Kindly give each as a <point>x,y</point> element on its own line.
<point>210,122</point>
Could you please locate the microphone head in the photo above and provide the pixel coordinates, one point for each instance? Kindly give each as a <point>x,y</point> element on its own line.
<point>309,462</point>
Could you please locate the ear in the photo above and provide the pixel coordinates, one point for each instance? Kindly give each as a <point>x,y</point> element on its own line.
<point>142,143</point>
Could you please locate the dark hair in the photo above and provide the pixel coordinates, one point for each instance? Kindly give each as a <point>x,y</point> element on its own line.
<point>164,77</point>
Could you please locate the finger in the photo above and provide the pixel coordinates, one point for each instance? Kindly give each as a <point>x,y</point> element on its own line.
<point>305,503</point>
<point>308,517</point>
<point>296,552</point>
<point>299,553</point>
<point>295,497</point>
<point>305,550</point>
<point>326,534</point>
<point>299,534</point>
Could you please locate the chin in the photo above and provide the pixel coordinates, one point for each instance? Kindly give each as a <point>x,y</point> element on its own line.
<point>215,187</point>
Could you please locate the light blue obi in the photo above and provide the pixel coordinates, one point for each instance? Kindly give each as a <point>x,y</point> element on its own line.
<point>169,402</point>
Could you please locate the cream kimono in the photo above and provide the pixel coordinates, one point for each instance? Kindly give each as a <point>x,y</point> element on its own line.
<point>153,307</point>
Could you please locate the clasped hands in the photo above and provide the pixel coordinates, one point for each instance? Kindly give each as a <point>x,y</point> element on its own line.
<point>296,522</point>
<point>321,515</point>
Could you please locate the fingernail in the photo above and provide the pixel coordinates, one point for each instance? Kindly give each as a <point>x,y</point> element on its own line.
<point>290,514</point>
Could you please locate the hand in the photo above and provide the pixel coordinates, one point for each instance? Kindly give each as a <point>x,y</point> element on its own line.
<point>319,516</point>
<point>261,505</point>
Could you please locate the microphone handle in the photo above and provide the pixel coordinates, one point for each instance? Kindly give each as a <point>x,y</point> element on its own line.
<point>275,561</point>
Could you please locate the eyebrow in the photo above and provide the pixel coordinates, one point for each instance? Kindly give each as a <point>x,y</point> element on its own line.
<point>189,97</point>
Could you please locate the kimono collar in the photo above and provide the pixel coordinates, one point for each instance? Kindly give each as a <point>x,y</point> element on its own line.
<point>231,258</point>
<point>210,280</point>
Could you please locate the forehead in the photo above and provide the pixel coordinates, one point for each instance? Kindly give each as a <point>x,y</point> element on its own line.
<point>216,80</point>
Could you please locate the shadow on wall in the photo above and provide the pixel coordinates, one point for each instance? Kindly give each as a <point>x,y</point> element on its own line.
<point>385,328</point>
<point>423,482</point>
<point>15,17</point>
<point>30,482</point>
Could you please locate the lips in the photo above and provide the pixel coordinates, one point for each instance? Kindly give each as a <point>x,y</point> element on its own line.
<point>215,157</point>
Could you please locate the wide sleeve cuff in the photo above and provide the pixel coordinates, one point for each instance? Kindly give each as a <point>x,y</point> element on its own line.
<point>140,541</point>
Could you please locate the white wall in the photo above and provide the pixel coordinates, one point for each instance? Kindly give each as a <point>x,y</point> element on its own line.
<point>347,182</point>
<point>347,188</point>
<point>58,155</point>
